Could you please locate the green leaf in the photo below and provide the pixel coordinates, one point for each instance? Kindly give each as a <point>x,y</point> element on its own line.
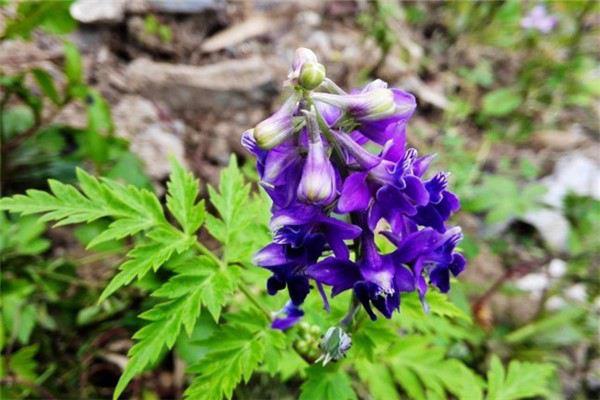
<point>16,120</point>
<point>523,380</point>
<point>326,383</point>
<point>501,102</point>
<point>22,363</point>
<point>235,353</point>
<point>422,370</point>
<point>239,214</point>
<point>182,191</point>
<point>73,65</point>
<point>200,278</point>
<point>152,339</point>
<point>198,281</point>
<point>138,208</point>
<point>229,201</point>
<point>29,16</point>
<point>46,83</point>
<point>141,259</point>
<point>378,379</point>
<point>98,113</point>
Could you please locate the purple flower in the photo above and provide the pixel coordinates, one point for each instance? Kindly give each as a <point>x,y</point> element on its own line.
<point>292,313</point>
<point>428,252</point>
<point>288,263</point>
<point>376,279</point>
<point>378,111</point>
<point>314,159</point>
<point>278,127</point>
<point>317,185</point>
<point>293,224</point>
<point>539,19</point>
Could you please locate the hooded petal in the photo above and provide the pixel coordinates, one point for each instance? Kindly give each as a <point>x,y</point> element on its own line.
<point>298,288</point>
<point>271,255</point>
<point>341,275</point>
<point>355,194</point>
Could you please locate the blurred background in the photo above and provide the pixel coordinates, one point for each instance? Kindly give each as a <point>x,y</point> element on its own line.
<point>508,97</point>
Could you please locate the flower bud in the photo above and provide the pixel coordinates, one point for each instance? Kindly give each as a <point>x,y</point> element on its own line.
<point>312,75</point>
<point>360,154</point>
<point>367,106</point>
<point>334,344</point>
<point>317,184</point>
<point>302,56</point>
<point>278,127</point>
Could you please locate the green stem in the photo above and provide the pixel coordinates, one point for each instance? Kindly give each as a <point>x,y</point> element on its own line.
<point>255,301</point>
<point>204,250</point>
<point>353,307</point>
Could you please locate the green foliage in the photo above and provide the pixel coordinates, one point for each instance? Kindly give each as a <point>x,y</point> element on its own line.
<point>50,16</point>
<point>197,281</point>
<point>522,380</point>
<point>236,351</point>
<point>501,198</point>
<point>35,148</point>
<point>328,383</point>
<point>501,102</point>
<point>153,27</point>
<point>423,372</point>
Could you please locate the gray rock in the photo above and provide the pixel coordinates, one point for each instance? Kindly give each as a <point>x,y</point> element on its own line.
<point>573,173</point>
<point>552,226</point>
<point>151,139</point>
<point>185,6</point>
<point>226,85</point>
<point>94,11</point>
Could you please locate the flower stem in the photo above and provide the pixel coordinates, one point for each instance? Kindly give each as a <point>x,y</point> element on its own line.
<point>204,250</point>
<point>353,307</point>
<point>255,301</point>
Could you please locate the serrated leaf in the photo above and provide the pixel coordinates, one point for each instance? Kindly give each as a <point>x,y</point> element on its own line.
<point>326,383</point>
<point>142,259</point>
<point>182,191</point>
<point>152,339</point>
<point>229,200</point>
<point>139,208</point>
<point>239,214</point>
<point>522,380</point>
<point>378,379</point>
<point>423,372</point>
<point>235,353</point>
<point>200,278</point>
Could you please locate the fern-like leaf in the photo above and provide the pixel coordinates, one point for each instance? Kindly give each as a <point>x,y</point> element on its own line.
<point>235,353</point>
<point>327,383</point>
<point>182,192</point>
<point>522,380</point>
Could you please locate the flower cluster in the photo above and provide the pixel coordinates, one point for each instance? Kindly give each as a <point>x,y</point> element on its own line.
<point>339,172</point>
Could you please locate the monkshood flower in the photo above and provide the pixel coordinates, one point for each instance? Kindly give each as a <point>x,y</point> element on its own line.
<point>338,170</point>
<point>375,279</point>
<point>294,224</point>
<point>539,19</point>
<point>288,264</point>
